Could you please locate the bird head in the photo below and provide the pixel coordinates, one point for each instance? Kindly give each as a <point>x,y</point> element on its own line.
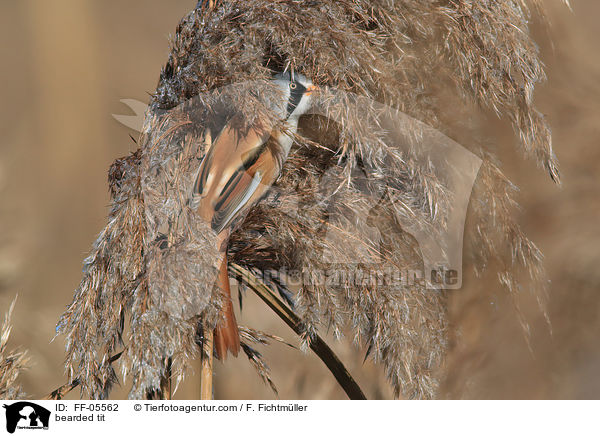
<point>297,90</point>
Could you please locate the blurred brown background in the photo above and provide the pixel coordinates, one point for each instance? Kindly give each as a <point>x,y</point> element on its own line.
<point>66,65</point>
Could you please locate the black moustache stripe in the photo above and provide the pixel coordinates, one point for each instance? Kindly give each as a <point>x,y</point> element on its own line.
<point>295,97</point>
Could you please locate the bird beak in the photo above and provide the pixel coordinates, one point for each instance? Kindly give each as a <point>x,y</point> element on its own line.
<point>311,89</point>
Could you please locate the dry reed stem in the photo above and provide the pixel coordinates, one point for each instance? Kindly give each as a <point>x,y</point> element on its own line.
<point>206,373</point>
<point>316,343</point>
<point>166,387</point>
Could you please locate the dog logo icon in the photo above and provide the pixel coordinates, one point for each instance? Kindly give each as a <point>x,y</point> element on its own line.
<point>26,415</point>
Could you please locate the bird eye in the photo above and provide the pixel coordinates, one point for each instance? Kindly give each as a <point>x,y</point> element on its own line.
<point>292,86</point>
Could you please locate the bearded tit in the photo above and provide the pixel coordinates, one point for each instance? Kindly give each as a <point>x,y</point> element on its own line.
<point>236,172</point>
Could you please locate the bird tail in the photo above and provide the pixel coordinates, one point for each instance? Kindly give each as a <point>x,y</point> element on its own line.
<point>227,336</point>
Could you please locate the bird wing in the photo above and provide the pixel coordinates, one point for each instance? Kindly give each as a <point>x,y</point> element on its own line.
<point>228,177</point>
<point>232,201</point>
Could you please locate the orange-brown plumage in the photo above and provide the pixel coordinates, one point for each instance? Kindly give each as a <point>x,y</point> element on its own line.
<point>235,173</point>
<point>227,336</point>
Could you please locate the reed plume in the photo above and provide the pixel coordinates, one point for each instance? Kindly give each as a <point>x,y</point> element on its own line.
<point>151,268</point>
